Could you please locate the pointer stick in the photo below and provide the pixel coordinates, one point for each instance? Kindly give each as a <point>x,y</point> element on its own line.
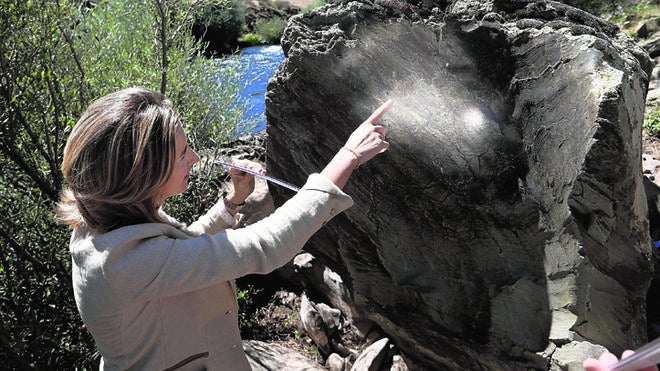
<point>279,182</point>
<point>647,355</point>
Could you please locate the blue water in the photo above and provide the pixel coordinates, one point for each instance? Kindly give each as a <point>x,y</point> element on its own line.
<point>261,63</point>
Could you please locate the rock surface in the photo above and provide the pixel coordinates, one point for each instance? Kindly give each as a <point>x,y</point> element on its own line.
<point>506,226</point>
<point>268,357</point>
<point>372,357</point>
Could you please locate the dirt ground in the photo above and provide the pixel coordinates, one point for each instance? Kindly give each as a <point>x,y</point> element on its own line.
<point>651,146</point>
<point>651,158</point>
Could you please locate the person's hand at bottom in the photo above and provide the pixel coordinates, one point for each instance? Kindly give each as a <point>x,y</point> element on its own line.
<point>607,359</point>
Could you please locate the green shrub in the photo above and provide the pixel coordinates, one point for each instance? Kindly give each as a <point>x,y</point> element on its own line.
<point>270,29</point>
<point>219,13</point>
<point>247,306</point>
<point>220,23</point>
<point>251,39</point>
<point>121,33</point>
<point>42,88</point>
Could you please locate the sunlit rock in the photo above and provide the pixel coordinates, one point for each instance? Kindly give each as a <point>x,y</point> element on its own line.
<point>508,216</point>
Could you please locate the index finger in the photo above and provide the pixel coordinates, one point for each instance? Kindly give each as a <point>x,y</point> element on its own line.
<point>379,112</point>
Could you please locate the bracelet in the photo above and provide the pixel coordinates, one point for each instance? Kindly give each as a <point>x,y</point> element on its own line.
<point>354,154</point>
<point>230,205</point>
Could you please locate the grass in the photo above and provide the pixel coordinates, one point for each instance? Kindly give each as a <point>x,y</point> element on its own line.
<point>652,121</point>
<point>631,17</point>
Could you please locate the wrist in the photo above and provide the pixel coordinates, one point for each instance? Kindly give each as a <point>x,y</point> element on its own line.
<point>355,158</point>
<point>232,202</point>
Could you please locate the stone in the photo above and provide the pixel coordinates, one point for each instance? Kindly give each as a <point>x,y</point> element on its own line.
<point>372,357</point>
<point>652,45</point>
<point>647,28</point>
<point>398,364</point>
<point>335,362</point>
<point>267,356</point>
<point>562,323</point>
<point>570,356</point>
<point>331,318</point>
<point>313,324</point>
<point>513,186</point>
<point>329,286</point>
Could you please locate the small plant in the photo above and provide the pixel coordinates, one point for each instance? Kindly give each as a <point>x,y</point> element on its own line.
<point>314,349</point>
<point>251,39</point>
<point>246,303</point>
<point>652,121</point>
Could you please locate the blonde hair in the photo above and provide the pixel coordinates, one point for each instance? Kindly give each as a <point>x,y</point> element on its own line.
<point>118,156</point>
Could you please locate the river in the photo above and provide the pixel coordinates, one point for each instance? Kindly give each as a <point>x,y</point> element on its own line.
<point>261,63</point>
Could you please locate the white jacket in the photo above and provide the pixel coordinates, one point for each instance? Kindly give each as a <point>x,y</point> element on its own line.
<point>154,297</point>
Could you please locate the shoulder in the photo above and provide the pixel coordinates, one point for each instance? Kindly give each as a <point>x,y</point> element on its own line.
<point>86,242</point>
<point>125,257</point>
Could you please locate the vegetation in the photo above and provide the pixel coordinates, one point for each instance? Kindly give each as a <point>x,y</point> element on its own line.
<point>629,16</point>
<point>251,39</point>
<point>270,30</point>
<point>228,14</point>
<point>266,32</point>
<point>55,58</point>
<point>652,121</point>
<point>248,307</point>
<point>219,25</point>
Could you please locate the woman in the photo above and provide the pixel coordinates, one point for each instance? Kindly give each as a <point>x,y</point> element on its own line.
<point>156,294</point>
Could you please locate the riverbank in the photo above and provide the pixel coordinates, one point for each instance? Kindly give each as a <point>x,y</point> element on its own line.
<point>249,23</point>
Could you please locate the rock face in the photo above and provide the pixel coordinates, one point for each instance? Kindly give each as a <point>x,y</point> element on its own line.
<point>267,357</point>
<point>508,219</point>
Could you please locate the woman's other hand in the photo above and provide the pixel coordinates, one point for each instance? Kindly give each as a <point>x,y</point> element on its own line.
<point>243,183</point>
<point>607,359</point>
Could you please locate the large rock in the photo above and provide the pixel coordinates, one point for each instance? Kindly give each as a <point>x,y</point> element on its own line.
<point>508,218</point>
